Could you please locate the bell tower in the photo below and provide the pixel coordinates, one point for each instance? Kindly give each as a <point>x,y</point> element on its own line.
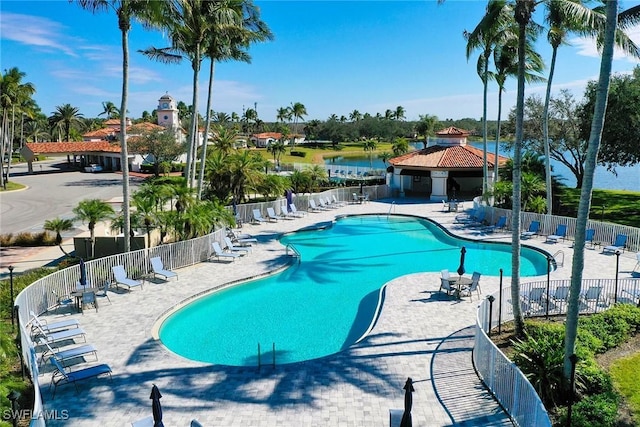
<point>168,112</point>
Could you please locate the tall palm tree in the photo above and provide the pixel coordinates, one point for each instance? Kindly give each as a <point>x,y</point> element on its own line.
<point>149,12</point>
<point>66,116</point>
<point>355,116</point>
<point>58,225</point>
<point>562,21</point>
<point>277,149</point>
<point>146,210</point>
<point>283,113</point>
<point>627,17</point>
<point>399,113</point>
<point>93,211</point>
<point>298,111</point>
<point>370,146</point>
<point>109,110</point>
<point>425,126</point>
<point>489,33</point>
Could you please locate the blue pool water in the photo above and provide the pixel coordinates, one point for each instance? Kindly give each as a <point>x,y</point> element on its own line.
<point>327,302</point>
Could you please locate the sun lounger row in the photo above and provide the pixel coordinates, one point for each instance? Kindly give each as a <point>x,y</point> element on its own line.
<point>235,246</point>
<point>57,344</point>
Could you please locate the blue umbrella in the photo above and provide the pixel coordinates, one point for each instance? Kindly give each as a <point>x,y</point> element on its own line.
<point>408,403</point>
<point>156,407</point>
<point>83,273</point>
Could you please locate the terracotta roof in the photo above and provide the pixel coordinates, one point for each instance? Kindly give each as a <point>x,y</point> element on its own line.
<point>144,126</point>
<point>446,157</point>
<point>453,131</point>
<point>112,122</point>
<point>100,133</point>
<point>265,135</point>
<point>72,147</point>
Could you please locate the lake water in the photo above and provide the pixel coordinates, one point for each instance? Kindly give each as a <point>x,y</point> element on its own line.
<point>627,178</point>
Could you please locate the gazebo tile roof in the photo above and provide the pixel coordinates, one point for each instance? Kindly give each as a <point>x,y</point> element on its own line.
<point>446,157</point>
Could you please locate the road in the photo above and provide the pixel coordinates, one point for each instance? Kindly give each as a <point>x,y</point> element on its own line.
<point>53,191</point>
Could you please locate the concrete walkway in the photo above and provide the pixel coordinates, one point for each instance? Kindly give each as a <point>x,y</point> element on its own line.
<point>420,334</point>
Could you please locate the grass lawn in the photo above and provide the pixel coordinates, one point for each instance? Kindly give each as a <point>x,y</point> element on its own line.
<point>626,377</point>
<point>11,186</point>
<point>316,155</point>
<point>620,207</point>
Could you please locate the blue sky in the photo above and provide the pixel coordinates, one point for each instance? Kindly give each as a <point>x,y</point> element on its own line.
<point>332,56</point>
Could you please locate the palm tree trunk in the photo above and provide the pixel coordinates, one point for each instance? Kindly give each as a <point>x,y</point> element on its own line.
<point>495,160</point>
<point>193,144</point>
<point>602,92</point>
<point>517,186</point>
<point>545,132</point>
<point>212,68</point>
<point>124,153</point>
<point>485,166</point>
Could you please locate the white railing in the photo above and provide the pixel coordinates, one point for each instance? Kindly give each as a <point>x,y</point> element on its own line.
<point>605,232</point>
<point>507,383</point>
<point>40,296</point>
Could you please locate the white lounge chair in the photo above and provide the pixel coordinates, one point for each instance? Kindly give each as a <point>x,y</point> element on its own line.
<point>241,238</point>
<point>315,208</point>
<point>336,202</point>
<point>242,250</point>
<point>66,334</point>
<point>284,212</point>
<point>257,216</point>
<point>219,253</point>
<point>53,326</point>
<point>63,376</point>
<point>158,269</point>
<point>296,212</point>
<point>120,276</point>
<point>65,353</point>
<point>271,214</point>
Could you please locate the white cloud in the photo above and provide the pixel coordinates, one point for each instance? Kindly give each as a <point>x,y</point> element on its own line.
<point>35,31</point>
<point>586,46</point>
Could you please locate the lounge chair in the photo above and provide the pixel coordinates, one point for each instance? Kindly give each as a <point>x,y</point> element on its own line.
<point>636,268</point>
<point>271,215</point>
<point>534,228</point>
<point>618,245</point>
<point>534,300</point>
<point>242,250</point>
<point>313,207</point>
<point>64,354</point>
<point>499,225</point>
<point>325,203</point>
<point>158,269</point>
<point>561,233</point>
<point>144,422</point>
<point>219,253</point>
<point>336,202</point>
<point>560,296</point>
<point>445,206</point>
<point>66,334</point>
<point>588,236</point>
<point>120,276</point>
<point>257,216</point>
<point>241,238</point>
<point>296,212</point>
<point>53,326</point>
<point>284,212</point>
<point>474,287</point>
<point>593,295</point>
<point>63,376</point>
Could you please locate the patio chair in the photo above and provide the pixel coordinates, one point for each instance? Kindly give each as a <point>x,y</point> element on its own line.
<point>89,298</point>
<point>61,301</point>
<point>446,286</point>
<point>62,375</point>
<point>271,215</point>
<point>242,250</point>
<point>474,287</point>
<point>257,216</point>
<point>104,291</point>
<point>120,276</point>
<point>561,233</point>
<point>618,245</point>
<point>144,422</point>
<point>64,354</point>
<point>36,321</point>
<point>296,212</point>
<point>157,268</point>
<point>534,228</point>
<point>219,253</point>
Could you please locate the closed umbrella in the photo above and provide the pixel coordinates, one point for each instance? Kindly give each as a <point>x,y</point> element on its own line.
<point>156,407</point>
<point>408,403</point>
<point>289,199</point>
<point>461,268</point>
<point>83,273</point>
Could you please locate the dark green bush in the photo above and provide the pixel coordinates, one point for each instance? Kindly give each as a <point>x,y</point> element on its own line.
<point>299,153</point>
<point>147,168</point>
<point>613,326</point>
<point>598,410</point>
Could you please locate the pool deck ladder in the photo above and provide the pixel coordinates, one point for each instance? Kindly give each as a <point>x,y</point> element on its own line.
<point>294,252</point>
<point>273,353</point>
<point>392,207</point>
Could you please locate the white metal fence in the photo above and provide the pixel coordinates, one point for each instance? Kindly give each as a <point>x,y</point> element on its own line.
<point>605,232</point>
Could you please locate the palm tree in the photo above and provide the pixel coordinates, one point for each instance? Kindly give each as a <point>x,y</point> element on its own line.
<point>65,116</point>
<point>277,149</point>
<point>224,139</point>
<point>400,146</point>
<point>316,173</point>
<point>425,126</point>
<point>283,113</point>
<point>110,110</point>
<point>355,116</point>
<point>58,225</point>
<point>93,211</point>
<point>385,156</point>
<point>370,146</point>
<point>489,33</point>
<point>298,111</point>
<point>571,325</point>
<point>148,11</point>
<point>146,209</point>
<point>399,113</point>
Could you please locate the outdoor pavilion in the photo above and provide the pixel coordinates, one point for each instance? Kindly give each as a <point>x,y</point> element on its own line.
<point>447,169</point>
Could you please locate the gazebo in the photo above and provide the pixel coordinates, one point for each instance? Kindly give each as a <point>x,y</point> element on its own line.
<point>447,169</point>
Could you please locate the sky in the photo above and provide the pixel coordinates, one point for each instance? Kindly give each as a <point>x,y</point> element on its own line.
<point>334,57</point>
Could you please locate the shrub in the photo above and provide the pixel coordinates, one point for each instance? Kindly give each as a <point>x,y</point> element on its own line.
<point>613,326</point>
<point>27,239</point>
<point>147,168</point>
<point>299,153</point>
<point>598,410</point>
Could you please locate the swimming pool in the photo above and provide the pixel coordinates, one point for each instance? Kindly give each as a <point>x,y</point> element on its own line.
<point>327,302</point>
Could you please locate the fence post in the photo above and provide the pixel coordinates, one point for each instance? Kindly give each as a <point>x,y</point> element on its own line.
<point>491,298</point>
<point>500,304</point>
